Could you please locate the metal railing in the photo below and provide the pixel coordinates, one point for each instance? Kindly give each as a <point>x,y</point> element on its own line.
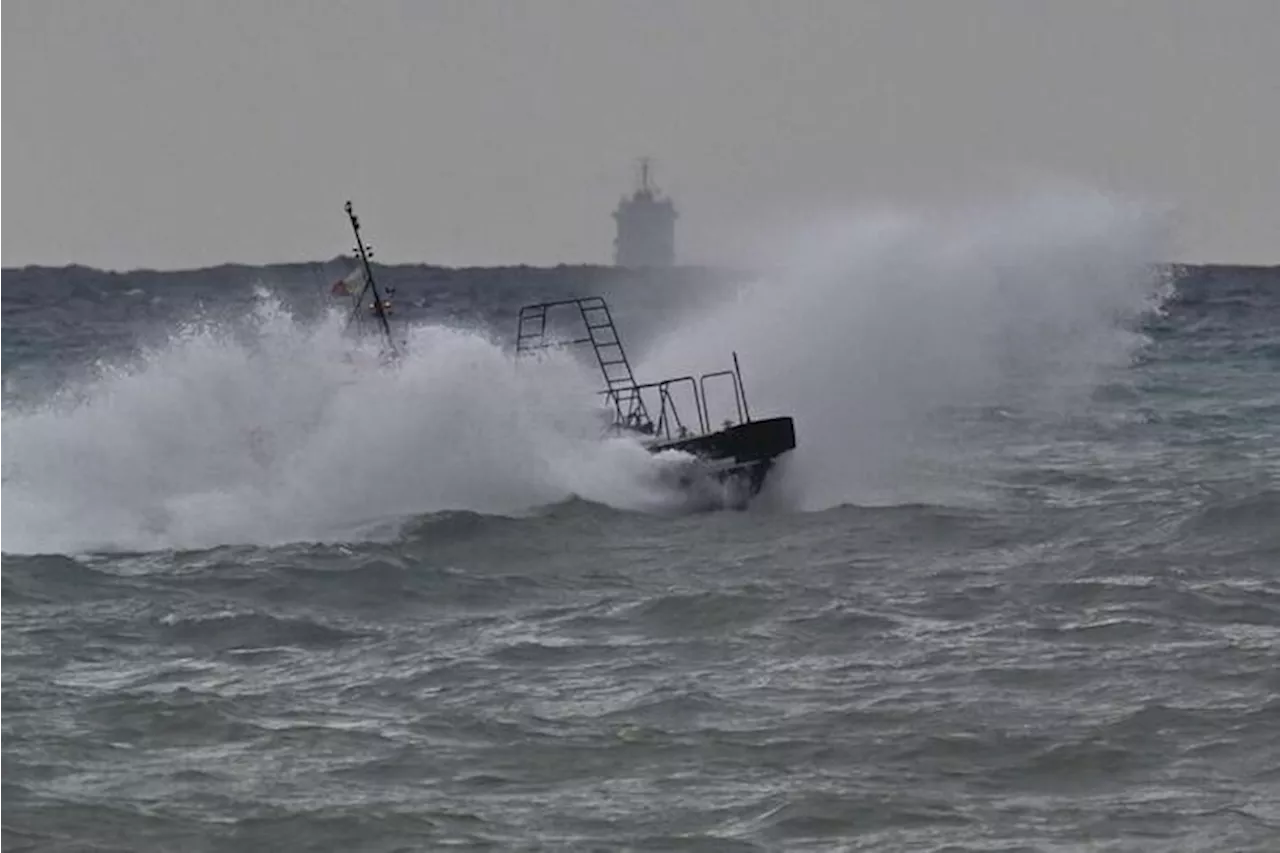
<point>669,425</point>
<point>622,393</point>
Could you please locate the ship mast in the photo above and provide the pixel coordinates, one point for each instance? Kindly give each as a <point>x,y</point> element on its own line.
<point>364,253</point>
<point>644,176</point>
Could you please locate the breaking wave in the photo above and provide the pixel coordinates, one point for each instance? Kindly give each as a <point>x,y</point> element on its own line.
<point>270,431</point>
<point>876,332</point>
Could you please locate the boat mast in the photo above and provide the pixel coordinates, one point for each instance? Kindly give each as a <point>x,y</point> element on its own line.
<point>369,284</point>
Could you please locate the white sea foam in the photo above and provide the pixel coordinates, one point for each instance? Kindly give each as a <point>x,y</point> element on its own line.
<point>272,434</point>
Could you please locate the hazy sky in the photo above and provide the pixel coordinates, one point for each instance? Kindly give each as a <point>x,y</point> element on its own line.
<point>180,133</point>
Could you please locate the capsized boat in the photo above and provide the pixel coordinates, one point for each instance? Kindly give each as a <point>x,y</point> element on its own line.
<point>730,446</point>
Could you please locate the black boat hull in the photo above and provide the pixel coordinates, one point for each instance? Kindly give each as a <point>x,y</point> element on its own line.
<point>744,453</point>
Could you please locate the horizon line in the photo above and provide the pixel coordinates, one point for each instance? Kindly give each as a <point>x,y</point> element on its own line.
<point>494,266</point>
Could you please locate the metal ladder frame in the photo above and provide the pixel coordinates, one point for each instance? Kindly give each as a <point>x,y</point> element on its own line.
<point>620,382</point>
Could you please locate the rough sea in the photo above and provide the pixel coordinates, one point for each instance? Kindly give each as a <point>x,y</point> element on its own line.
<point>1016,589</point>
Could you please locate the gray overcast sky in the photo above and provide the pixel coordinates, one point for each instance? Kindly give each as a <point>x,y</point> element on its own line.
<point>179,133</point>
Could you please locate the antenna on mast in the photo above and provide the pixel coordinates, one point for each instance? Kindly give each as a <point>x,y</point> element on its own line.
<point>645,188</point>
<point>370,285</point>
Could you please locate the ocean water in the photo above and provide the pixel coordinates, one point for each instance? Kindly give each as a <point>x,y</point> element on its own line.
<point>1016,589</point>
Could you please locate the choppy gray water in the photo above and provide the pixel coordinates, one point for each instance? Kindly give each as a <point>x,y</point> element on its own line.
<point>1064,638</point>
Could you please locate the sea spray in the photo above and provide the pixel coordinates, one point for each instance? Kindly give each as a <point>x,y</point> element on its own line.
<point>270,430</point>
<point>877,332</point>
<point>880,334</point>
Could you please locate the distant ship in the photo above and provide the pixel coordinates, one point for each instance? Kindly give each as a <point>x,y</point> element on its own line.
<point>646,226</point>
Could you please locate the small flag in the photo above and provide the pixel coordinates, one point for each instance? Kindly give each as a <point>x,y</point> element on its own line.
<point>350,285</point>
